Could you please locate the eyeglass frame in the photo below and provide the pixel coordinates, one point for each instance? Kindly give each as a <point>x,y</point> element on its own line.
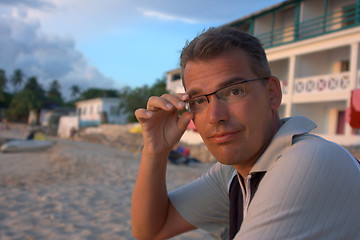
<point>215,92</point>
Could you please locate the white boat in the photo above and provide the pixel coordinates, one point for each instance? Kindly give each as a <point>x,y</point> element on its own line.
<point>26,145</point>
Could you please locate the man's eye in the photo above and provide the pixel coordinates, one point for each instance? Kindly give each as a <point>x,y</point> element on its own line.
<point>199,101</point>
<point>196,101</point>
<point>235,91</point>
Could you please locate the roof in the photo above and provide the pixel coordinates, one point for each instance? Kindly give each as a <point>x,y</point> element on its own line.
<point>97,100</point>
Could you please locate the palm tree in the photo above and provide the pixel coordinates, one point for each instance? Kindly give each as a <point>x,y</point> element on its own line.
<point>75,91</point>
<point>3,82</point>
<point>54,93</point>
<point>34,96</point>
<point>54,86</point>
<point>17,79</point>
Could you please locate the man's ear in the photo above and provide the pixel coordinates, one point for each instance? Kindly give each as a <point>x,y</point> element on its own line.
<point>275,94</point>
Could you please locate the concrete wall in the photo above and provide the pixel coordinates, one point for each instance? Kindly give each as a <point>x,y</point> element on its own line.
<point>65,125</point>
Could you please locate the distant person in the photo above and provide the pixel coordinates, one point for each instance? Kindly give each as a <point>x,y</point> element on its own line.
<point>273,180</point>
<point>5,123</point>
<point>180,156</point>
<point>31,135</point>
<point>72,133</point>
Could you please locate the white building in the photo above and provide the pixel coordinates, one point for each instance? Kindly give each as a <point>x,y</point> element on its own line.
<point>313,48</point>
<point>95,111</point>
<point>92,112</point>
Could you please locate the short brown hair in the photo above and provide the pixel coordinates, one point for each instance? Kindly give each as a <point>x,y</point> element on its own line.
<point>215,41</point>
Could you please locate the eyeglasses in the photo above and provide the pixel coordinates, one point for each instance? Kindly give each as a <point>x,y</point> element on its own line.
<point>229,94</point>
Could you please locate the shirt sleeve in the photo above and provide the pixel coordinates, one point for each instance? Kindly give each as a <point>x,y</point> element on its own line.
<point>205,202</point>
<point>311,192</point>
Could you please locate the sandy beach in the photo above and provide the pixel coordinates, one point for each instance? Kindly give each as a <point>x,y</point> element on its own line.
<point>75,190</point>
<point>79,189</point>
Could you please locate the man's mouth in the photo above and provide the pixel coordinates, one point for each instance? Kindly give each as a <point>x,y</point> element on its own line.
<point>223,137</point>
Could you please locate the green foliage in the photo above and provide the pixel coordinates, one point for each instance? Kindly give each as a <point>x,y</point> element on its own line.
<point>137,98</point>
<point>7,97</point>
<point>159,88</point>
<point>34,94</point>
<point>32,97</point>
<point>98,93</point>
<point>75,92</point>
<point>54,94</point>
<point>3,82</point>
<point>18,108</point>
<point>17,79</point>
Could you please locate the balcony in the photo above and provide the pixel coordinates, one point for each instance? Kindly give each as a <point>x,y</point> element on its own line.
<point>319,88</point>
<point>322,84</point>
<point>296,30</point>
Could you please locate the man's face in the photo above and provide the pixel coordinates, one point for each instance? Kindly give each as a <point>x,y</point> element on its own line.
<point>235,133</point>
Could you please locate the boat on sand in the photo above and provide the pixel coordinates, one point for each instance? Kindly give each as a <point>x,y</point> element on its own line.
<point>25,145</point>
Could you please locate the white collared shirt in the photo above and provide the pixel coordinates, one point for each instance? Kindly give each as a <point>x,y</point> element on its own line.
<point>311,191</point>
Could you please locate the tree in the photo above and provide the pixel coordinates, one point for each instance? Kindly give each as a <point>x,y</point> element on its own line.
<point>75,91</point>
<point>54,93</point>
<point>35,96</point>
<point>98,93</point>
<point>31,98</point>
<point>159,87</point>
<point>137,98</point>
<point>17,79</point>
<point>3,82</point>
<point>18,108</point>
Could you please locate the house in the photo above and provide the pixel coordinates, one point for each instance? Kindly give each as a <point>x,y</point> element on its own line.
<point>95,111</point>
<point>313,48</point>
<point>49,118</point>
<point>92,112</point>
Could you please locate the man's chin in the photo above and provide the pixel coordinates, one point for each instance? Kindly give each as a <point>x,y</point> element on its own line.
<point>230,162</point>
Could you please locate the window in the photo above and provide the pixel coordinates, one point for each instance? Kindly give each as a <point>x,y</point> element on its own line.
<point>175,77</point>
<point>341,66</point>
<point>344,66</point>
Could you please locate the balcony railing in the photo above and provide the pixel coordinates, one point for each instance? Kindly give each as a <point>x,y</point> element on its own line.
<point>322,84</point>
<point>340,19</point>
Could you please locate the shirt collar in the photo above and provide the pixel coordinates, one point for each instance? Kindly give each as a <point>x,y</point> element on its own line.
<point>283,140</point>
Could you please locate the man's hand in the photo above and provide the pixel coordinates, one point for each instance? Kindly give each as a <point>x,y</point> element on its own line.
<point>161,124</point>
<point>152,214</point>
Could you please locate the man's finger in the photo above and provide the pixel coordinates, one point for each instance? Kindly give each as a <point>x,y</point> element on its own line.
<point>184,120</point>
<point>142,114</point>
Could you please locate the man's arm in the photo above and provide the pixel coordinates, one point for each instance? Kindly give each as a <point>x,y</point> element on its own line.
<point>153,215</point>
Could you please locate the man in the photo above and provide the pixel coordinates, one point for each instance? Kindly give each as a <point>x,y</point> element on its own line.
<point>273,179</point>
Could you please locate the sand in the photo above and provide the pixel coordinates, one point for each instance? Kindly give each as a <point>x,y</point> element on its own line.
<point>75,190</point>
<point>78,190</point>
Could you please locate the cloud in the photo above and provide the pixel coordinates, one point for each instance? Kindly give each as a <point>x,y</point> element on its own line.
<point>28,3</point>
<point>165,16</point>
<point>23,45</point>
<point>201,11</point>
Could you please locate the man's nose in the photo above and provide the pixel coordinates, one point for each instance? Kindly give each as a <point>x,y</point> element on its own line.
<point>217,110</point>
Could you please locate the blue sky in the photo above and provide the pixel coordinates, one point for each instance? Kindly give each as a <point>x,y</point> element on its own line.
<point>107,43</point>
